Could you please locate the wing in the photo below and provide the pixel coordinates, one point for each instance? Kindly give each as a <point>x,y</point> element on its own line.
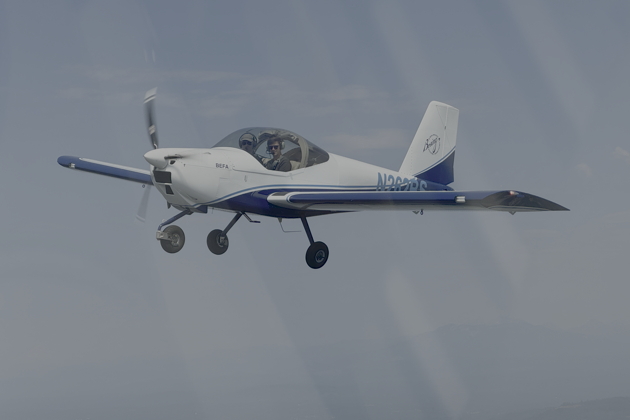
<point>107,169</point>
<point>511,201</point>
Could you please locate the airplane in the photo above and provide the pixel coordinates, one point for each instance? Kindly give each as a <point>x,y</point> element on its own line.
<point>232,176</point>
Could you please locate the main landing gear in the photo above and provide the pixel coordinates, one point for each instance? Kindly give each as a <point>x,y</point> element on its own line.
<point>217,240</point>
<point>172,239</point>
<point>317,253</point>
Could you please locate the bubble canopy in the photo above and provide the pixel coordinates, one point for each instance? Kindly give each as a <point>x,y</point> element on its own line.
<point>300,152</point>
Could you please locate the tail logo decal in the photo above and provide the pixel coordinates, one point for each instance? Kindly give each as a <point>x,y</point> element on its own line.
<point>432,144</point>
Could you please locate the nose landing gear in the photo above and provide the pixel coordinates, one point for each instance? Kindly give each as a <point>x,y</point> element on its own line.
<point>172,238</point>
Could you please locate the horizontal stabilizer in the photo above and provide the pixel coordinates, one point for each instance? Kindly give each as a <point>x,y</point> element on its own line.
<point>510,201</point>
<point>107,169</point>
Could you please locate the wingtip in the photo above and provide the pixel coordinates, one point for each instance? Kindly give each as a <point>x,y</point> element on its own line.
<point>519,201</point>
<point>66,161</point>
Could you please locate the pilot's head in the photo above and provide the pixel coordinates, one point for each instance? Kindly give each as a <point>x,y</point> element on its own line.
<point>275,146</point>
<point>247,142</point>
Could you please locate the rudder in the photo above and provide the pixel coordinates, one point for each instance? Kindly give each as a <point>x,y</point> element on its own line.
<point>431,155</point>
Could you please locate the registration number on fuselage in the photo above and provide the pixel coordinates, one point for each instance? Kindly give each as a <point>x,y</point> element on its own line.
<point>395,183</point>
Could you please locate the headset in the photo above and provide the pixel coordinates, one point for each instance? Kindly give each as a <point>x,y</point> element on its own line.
<point>267,136</point>
<point>254,140</point>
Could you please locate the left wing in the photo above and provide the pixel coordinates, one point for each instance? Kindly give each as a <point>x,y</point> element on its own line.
<point>108,169</point>
<point>510,201</point>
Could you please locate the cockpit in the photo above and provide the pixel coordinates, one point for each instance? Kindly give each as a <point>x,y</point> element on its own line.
<point>300,152</point>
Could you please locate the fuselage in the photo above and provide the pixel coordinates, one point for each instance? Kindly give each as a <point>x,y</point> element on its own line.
<point>231,179</point>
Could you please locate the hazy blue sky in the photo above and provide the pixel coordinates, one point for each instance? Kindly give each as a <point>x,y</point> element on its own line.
<point>542,89</point>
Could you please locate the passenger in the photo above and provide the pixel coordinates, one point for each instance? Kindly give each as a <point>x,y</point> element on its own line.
<point>247,142</point>
<point>278,162</point>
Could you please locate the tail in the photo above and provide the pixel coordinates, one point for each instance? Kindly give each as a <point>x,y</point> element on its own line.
<point>432,151</point>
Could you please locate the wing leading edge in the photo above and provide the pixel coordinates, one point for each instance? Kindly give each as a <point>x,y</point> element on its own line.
<point>107,169</point>
<point>510,201</point>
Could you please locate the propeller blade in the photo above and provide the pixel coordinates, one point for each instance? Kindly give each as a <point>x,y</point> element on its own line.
<point>142,210</point>
<point>148,107</point>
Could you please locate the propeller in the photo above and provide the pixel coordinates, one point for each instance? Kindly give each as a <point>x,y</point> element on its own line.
<point>148,109</point>
<point>141,215</point>
<point>149,99</point>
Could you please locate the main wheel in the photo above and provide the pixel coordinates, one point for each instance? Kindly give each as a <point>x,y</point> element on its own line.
<point>217,242</point>
<point>176,241</point>
<point>317,255</point>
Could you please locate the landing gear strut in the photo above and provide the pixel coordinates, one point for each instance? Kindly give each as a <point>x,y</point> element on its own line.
<point>317,253</point>
<point>217,239</point>
<point>172,238</point>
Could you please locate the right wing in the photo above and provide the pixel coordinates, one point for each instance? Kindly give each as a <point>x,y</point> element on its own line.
<point>108,169</point>
<point>510,201</point>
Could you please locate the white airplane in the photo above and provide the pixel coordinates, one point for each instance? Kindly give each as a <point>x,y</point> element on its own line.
<point>307,181</point>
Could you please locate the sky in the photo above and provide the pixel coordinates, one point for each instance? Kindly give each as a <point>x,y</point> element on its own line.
<point>94,314</point>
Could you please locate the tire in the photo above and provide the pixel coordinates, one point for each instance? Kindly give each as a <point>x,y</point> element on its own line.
<point>176,243</point>
<point>217,242</point>
<point>317,255</point>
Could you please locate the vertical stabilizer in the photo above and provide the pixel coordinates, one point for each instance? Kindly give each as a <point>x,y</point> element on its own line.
<point>432,151</point>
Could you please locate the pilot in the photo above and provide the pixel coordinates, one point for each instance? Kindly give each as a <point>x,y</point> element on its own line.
<point>247,142</point>
<point>278,162</point>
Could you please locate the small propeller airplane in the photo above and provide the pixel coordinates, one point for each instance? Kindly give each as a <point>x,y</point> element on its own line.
<point>277,173</point>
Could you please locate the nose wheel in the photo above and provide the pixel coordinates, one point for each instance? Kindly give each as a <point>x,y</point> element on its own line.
<point>172,239</point>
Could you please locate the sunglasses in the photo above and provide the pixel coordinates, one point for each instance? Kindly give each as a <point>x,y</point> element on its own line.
<point>274,147</point>
<point>246,142</point>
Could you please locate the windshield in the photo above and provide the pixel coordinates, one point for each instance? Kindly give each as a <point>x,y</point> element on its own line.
<point>300,152</point>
